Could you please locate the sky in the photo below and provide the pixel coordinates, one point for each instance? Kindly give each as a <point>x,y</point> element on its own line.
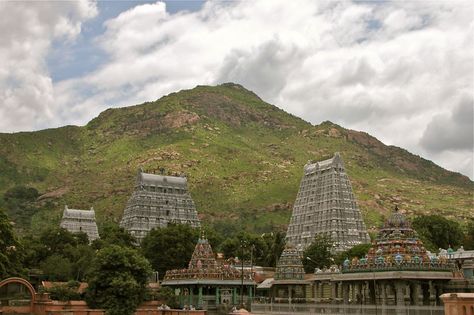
<point>403,71</point>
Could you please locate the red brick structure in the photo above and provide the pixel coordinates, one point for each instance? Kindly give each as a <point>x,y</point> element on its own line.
<point>41,304</point>
<point>458,303</point>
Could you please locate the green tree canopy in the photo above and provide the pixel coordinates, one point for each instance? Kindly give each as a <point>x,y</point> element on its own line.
<point>357,251</point>
<point>118,279</point>
<point>113,234</point>
<point>438,232</point>
<point>11,253</point>
<point>19,204</point>
<point>469,236</point>
<point>57,268</point>
<point>170,247</point>
<point>275,244</point>
<point>60,254</point>
<point>319,253</point>
<point>246,246</point>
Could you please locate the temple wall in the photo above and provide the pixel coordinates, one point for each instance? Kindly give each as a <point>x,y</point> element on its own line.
<point>458,303</point>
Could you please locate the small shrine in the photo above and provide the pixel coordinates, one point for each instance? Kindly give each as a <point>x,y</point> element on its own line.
<point>288,283</point>
<point>209,284</point>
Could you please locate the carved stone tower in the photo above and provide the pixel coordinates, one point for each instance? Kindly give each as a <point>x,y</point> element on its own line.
<point>157,201</point>
<point>76,221</point>
<point>326,205</point>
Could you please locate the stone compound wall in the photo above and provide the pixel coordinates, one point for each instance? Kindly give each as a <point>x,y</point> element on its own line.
<point>41,304</point>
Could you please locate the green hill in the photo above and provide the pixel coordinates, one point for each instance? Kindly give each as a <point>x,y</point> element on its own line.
<point>243,157</point>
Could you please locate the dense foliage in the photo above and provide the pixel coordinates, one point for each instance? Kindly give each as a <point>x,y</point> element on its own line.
<point>169,248</point>
<point>10,250</point>
<point>59,254</point>
<point>469,236</point>
<point>438,232</point>
<point>65,292</point>
<point>118,279</point>
<point>358,251</point>
<point>318,254</point>
<point>19,203</point>
<point>262,250</point>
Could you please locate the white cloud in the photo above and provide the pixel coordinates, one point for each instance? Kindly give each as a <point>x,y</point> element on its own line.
<point>27,30</point>
<point>388,68</point>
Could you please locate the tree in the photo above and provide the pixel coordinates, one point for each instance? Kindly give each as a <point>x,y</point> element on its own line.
<point>319,252</point>
<point>170,247</point>
<point>60,254</point>
<point>19,205</point>
<point>245,246</point>
<point>57,268</point>
<point>118,279</point>
<point>65,292</point>
<point>438,232</point>
<point>57,240</point>
<point>113,234</point>
<point>357,251</point>
<point>10,250</point>
<point>469,236</point>
<point>275,245</point>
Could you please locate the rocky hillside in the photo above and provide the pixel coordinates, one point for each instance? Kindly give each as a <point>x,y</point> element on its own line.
<point>243,157</point>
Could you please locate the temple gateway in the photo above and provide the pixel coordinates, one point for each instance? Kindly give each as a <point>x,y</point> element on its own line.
<point>76,221</point>
<point>157,201</point>
<point>326,205</point>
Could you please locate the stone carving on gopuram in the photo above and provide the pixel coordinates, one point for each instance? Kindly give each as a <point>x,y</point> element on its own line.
<point>325,204</point>
<point>157,201</point>
<point>76,221</point>
<point>289,266</point>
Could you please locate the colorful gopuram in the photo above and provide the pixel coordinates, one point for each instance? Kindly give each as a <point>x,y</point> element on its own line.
<point>208,284</point>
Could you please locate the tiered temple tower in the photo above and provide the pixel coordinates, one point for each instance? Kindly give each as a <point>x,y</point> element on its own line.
<point>76,221</point>
<point>326,205</point>
<point>289,266</point>
<point>157,201</point>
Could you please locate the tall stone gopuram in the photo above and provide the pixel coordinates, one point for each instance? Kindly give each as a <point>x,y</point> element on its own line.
<point>75,221</point>
<point>325,204</point>
<point>157,201</point>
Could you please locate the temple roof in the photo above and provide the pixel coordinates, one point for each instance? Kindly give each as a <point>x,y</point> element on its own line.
<point>397,246</point>
<point>203,256</point>
<point>203,268</point>
<point>79,214</point>
<point>323,165</point>
<point>160,180</point>
<point>289,266</point>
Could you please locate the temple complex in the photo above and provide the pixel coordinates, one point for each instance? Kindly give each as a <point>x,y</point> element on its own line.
<point>157,201</point>
<point>397,276</point>
<point>396,271</point>
<point>76,221</point>
<point>208,284</point>
<point>325,204</point>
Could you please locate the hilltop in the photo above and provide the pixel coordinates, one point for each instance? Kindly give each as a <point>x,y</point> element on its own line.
<point>243,157</point>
